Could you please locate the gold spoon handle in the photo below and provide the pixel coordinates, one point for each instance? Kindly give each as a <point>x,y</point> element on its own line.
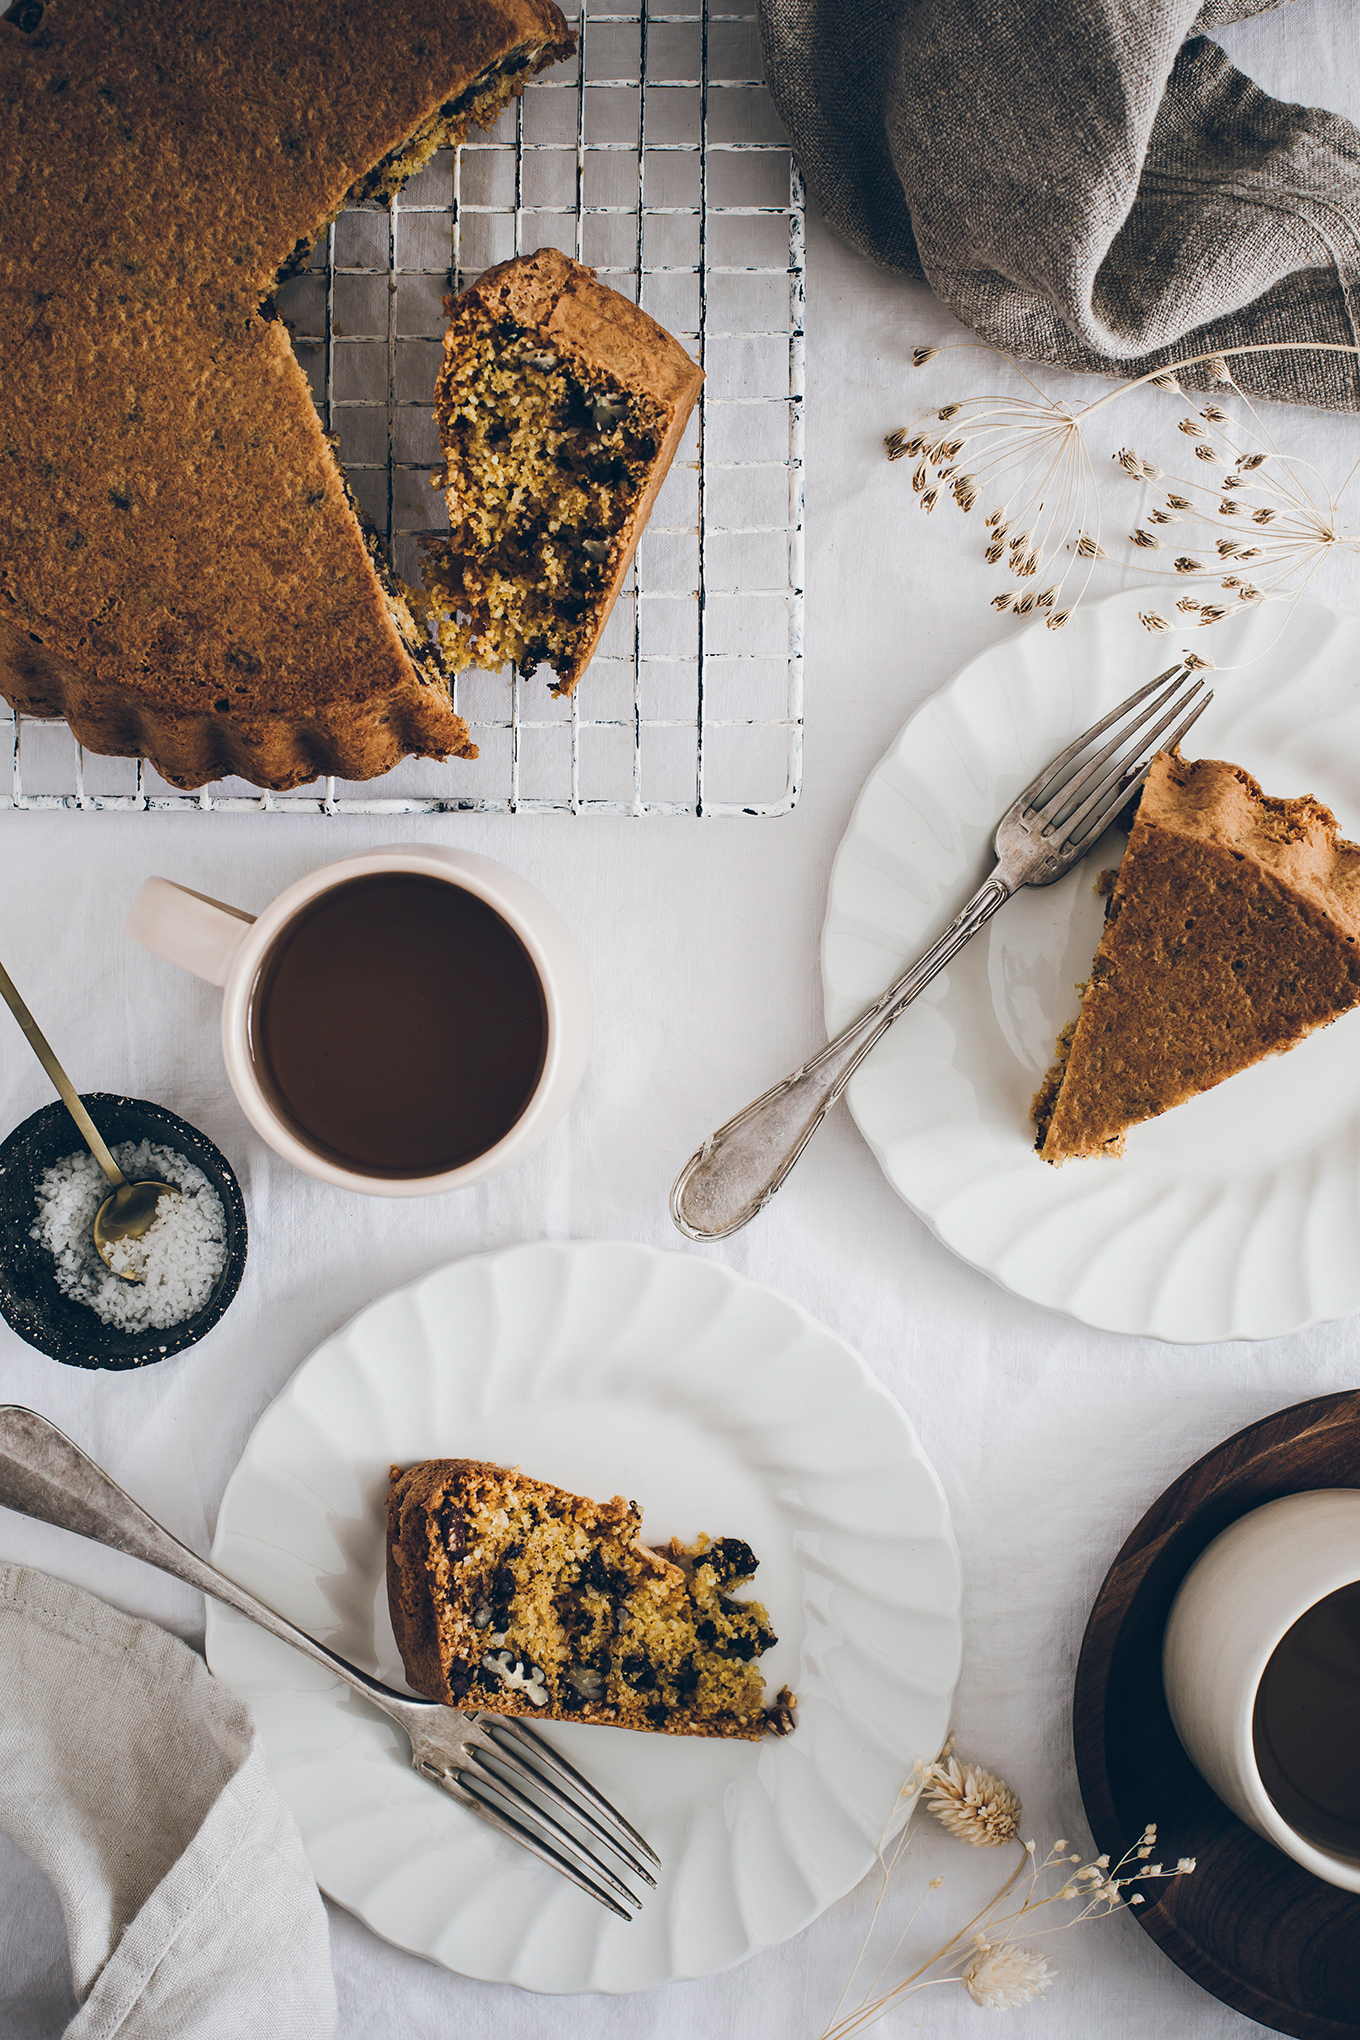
<point>69,1096</point>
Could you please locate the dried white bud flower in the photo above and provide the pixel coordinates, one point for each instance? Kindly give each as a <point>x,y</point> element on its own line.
<point>1000,1978</point>
<point>972,1803</point>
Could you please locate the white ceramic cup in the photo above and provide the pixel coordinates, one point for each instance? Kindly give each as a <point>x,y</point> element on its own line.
<point>229,948</point>
<point>1235,1605</point>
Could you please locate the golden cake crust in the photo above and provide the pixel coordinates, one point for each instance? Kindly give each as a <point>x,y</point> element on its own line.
<point>512,1595</point>
<point>603,337</point>
<point>181,573</point>
<point>1232,933</point>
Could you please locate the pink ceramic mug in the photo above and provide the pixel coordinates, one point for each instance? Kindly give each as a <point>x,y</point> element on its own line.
<point>231,948</point>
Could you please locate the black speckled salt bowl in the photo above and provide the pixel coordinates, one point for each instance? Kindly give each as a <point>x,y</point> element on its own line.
<point>29,1296</point>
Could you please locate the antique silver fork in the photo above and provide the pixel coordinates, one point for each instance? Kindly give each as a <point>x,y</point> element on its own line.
<point>1056,820</point>
<point>490,1764</point>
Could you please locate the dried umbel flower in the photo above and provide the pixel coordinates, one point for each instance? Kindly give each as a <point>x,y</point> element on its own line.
<point>921,355</point>
<point>999,1978</point>
<point>1028,454</point>
<point>973,1804</point>
<point>1151,621</point>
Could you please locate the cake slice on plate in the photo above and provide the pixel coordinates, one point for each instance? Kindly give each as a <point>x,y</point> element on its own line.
<point>516,1597</point>
<point>1233,931</point>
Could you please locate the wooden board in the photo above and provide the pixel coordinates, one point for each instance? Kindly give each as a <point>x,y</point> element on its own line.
<point>1250,1925</point>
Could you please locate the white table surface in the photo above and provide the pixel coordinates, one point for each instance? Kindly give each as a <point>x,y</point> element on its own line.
<point>701,939</point>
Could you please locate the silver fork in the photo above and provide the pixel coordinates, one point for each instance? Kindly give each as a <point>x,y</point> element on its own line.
<point>487,1762</point>
<point>1056,820</point>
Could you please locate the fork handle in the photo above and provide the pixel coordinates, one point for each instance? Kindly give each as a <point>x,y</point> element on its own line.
<point>45,1475</point>
<point>738,1169</point>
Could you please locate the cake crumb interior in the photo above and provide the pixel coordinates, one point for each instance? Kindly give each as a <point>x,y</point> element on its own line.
<point>544,467</point>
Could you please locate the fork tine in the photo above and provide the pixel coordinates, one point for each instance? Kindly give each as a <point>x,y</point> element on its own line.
<point>472,1764</point>
<point>505,1823</point>
<point>1120,795</point>
<point>543,1782</point>
<point>553,1760</point>
<point>1119,774</point>
<point>1030,796</point>
<point>1074,785</point>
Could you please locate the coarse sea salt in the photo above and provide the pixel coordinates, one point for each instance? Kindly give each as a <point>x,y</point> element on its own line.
<point>180,1255</point>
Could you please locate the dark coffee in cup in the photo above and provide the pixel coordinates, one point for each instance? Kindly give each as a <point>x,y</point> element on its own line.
<point>1306,1721</point>
<point>398,1025</point>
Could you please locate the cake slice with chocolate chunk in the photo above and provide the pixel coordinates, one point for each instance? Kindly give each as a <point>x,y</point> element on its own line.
<point>1233,932</point>
<point>517,1597</point>
<point>560,405</point>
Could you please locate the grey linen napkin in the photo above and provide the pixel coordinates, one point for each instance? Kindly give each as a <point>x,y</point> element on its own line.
<point>1091,184</point>
<point>138,1784</point>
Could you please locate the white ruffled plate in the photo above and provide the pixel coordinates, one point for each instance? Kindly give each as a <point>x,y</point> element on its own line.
<point>1235,1216</point>
<point>721,1406</point>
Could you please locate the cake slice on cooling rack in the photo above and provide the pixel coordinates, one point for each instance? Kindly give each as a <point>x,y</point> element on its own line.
<point>514,1596</point>
<point>560,406</point>
<point>182,573</point>
<point>1232,932</point>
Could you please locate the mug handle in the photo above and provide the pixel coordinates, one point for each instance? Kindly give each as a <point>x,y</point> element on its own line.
<point>187,928</point>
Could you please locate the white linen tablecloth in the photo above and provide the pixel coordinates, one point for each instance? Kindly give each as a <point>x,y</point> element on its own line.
<point>701,940</point>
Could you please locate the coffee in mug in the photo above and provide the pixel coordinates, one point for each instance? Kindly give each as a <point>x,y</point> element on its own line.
<point>1261,1669</point>
<point>406,1021</point>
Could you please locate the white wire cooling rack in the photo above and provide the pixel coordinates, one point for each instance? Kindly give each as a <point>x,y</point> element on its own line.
<point>660,162</point>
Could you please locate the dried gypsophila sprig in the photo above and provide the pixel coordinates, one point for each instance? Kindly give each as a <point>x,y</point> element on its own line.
<point>1033,454</point>
<point>996,1970</point>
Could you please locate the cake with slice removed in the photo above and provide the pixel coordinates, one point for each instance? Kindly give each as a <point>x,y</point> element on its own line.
<point>1233,931</point>
<point>560,405</point>
<point>513,1596</point>
<point>182,573</point>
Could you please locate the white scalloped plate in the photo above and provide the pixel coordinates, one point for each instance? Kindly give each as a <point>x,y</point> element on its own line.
<point>1235,1216</point>
<point>721,1406</point>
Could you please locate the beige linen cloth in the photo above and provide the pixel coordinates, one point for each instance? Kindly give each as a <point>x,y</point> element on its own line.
<point>137,1783</point>
<point>1091,184</point>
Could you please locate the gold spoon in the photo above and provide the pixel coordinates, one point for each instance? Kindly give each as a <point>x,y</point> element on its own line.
<point>128,1212</point>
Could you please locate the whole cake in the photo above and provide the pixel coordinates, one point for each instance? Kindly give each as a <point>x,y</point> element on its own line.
<point>1232,932</point>
<point>513,1596</point>
<point>181,571</point>
<point>560,406</point>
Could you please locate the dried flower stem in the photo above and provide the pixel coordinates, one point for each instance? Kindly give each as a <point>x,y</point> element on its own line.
<point>982,1955</point>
